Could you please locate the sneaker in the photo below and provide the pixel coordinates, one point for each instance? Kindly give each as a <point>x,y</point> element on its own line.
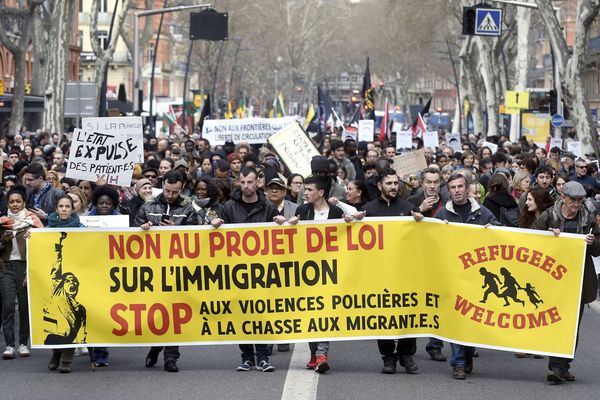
<point>555,375</point>
<point>9,353</point>
<point>436,355</point>
<point>54,360</point>
<point>389,365</point>
<point>101,363</point>
<point>65,368</point>
<point>409,364</point>
<point>246,365</point>
<point>322,364</point>
<point>458,372</point>
<point>23,351</point>
<point>312,364</point>
<point>171,366</point>
<point>265,366</point>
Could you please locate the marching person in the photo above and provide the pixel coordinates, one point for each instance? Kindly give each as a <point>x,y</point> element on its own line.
<point>464,209</point>
<point>167,209</point>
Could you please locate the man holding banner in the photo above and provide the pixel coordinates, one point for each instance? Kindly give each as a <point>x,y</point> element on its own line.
<point>570,215</point>
<point>464,209</point>
<point>166,210</point>
<point>387,205</point>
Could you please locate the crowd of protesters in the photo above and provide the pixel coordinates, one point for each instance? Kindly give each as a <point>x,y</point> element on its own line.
<point>187,181</point>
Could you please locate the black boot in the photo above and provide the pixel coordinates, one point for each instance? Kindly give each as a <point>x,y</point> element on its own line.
<point>389,365</point>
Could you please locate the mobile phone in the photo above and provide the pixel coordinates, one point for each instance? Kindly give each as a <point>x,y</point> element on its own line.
<point>165,217</point>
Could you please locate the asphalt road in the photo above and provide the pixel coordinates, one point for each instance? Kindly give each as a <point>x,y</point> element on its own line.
<point>208,372</point>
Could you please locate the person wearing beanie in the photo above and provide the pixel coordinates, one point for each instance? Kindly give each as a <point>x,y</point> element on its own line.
<point>143,193</point>
<point>319,166</point>
<point>235,164</point>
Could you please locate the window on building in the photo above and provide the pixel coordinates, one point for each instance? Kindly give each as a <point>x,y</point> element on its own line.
<point>103,6</point>
<point>80,39</point>
<point>103,39</point>
<point>150,52</point>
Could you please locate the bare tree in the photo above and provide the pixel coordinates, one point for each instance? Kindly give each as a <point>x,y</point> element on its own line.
<point>58,60</point>
<point>40,44</point>
<point>571,66</point>
<point>15,33</point>
<point>103,56</point>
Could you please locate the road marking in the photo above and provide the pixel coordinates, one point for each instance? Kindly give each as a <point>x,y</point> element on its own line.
<point>596,306</point>
<point>300,383</point>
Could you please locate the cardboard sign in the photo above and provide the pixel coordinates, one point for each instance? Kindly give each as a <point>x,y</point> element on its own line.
<point>294,148</point>
<point>575,148</point>
<point>249,130</point>
<point>492,146</point>
<point>410,163</point>
<point>431,139</point>
<point>366,130</point>
<point>106,148</point>
<point>556,142</point>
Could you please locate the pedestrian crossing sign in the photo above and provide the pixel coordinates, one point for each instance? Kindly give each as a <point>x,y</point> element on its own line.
<point>488,21</point>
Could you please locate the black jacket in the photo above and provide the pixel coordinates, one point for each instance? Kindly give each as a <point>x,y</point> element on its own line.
<point>495,201</point>
<point>306,212</point>
<point>381,208</point>
<point>131,208</point>
<point>180,214</point>
<point>234,211</point>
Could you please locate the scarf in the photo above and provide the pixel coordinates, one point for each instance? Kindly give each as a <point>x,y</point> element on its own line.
<point>201,202</point>
<point>37,198</point>
<point>22,220</point>
<point>55,222</point>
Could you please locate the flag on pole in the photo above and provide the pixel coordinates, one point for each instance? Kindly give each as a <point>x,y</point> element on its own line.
<point>241,109</point>
<point>323,113</point>
<point>279,106</point>
<point>229,113</point>
<point>205,113</point>
<point>384,133</point>
<point>418,126</point>
<point>310,115</point>
<point>169,118</point>
<point>367,95</point>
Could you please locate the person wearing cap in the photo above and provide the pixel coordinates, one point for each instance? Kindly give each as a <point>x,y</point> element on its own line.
<point>276,190</point>
<point>319,166</point>
<point>151,174</point>
<point>235,164</point>
<point>143,193</point>
<point>570,215</point>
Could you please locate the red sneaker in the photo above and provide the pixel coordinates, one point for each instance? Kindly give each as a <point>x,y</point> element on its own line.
<point>312,364</point>
<point>322,364</point>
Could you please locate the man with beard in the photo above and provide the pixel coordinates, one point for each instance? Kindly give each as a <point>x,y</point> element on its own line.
<point>386,205</point>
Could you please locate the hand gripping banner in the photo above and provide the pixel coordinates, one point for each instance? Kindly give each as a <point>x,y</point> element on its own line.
<point>500,288</point>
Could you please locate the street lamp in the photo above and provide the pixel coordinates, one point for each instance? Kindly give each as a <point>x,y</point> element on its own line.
<point>136,52</point>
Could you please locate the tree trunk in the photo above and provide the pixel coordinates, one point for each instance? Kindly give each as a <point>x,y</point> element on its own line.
<point>58,60</point>
<point>469,55</point>
<point>40,46</point>
<point>523,18</point>
<point>18,103</point>
<point>487,69</point>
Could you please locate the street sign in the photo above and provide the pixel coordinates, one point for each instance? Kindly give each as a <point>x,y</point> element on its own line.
<point>518,100</point>
<point>557,120</point>
<point>488,21</point>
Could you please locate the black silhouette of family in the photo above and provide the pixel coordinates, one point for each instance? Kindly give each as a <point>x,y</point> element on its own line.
<point>510,286</point>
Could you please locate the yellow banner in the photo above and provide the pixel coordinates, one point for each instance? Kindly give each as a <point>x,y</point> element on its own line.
<point>499,288</point>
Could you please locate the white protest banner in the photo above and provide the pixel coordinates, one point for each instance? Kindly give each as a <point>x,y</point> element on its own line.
<point>366,130</point>
<point>349,133</point>
<point>492,146</point>
<point>574,147</point>
<point>105,221</point>
<point>431,139</point>
<point>453,141</point>
<point>410,163</point>
<point>249,130</point>
<point>404,140</point>
<point>294,148</point>
<point>107,148</point>
<point>556,142</point>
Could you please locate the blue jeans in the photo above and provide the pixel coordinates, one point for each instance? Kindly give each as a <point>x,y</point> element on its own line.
<point>434,344</point>
<point>460,354</point>
<point>262,353</point>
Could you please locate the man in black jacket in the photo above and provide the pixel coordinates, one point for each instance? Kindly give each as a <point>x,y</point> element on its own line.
<point>41,196</point>
<point>166,210</point>
<point>248,205</point>
<point>388,204</point>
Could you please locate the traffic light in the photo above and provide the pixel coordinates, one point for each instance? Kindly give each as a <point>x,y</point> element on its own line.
<point>468,27</point>
<point>553,104</point>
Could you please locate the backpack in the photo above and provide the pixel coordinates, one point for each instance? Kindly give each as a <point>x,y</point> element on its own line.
<point>509,216</point>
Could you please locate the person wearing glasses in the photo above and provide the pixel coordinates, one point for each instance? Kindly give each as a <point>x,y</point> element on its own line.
<point>581,175</point>
<point>168,209</point>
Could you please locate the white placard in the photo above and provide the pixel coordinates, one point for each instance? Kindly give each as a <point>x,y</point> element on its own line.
<point>105,221</point>
<point>556,142</point>
<point>574,147</point>
<point>404,140</point>
<point>106,148</point>
<point>453,141</point>
<point>249,130</point>
<point>431,139</point>
<point>294,148</point>
<point>492,146</point>
<point>366,130</point>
